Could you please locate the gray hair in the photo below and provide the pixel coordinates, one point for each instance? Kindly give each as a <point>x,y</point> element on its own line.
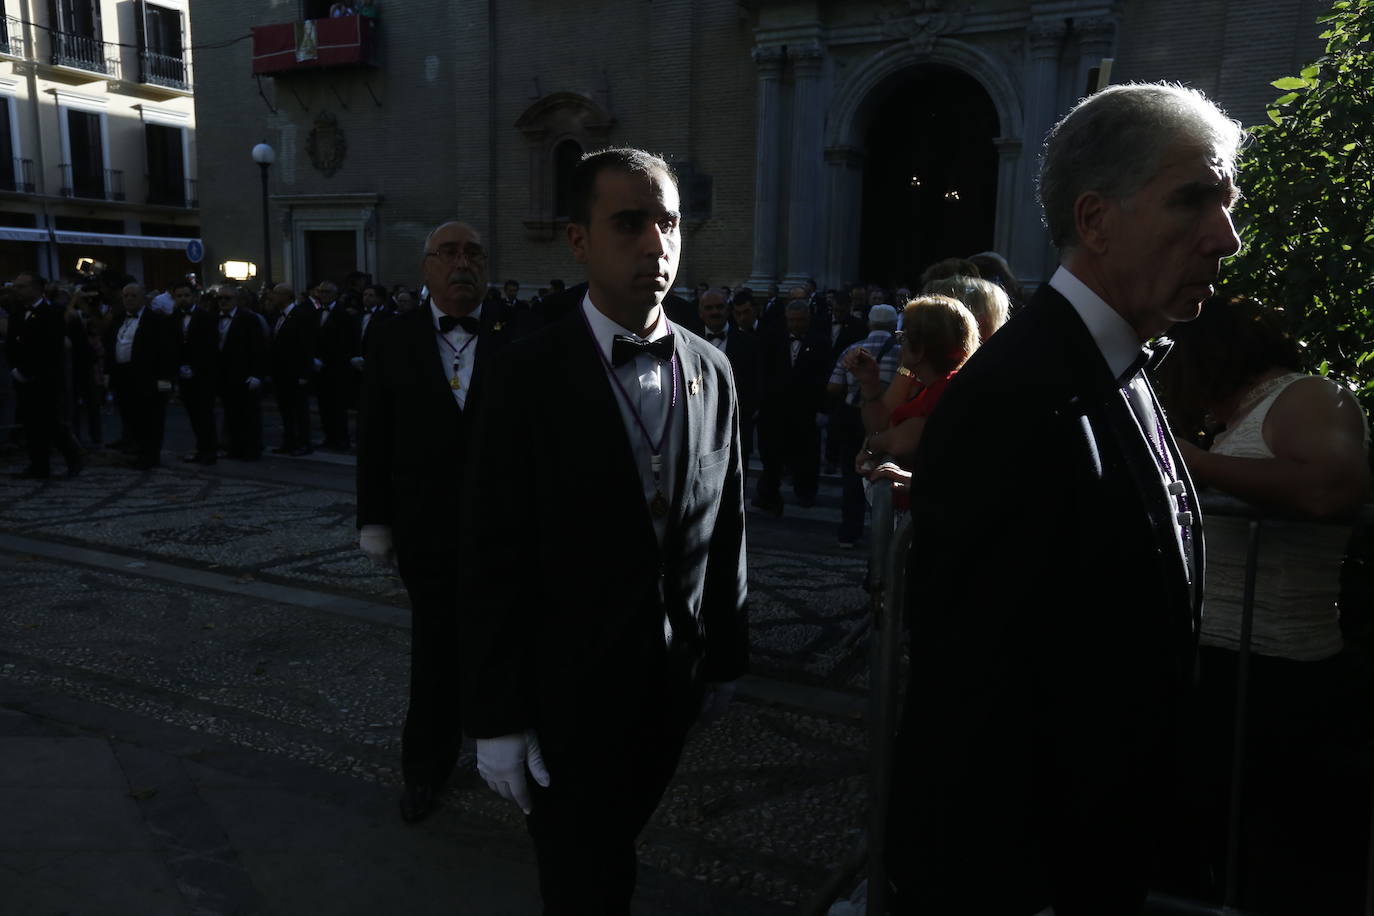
<point>1113,143</point>
<point>798,305</point>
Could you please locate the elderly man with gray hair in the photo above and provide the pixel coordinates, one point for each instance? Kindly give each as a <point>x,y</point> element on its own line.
<point>1056,573</point>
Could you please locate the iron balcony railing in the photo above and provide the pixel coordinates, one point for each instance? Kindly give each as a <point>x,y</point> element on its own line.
<point>107,184</point>
<point>172,193</point>
<point>19,177</point>
<point>12,37</point>
<point>167,70</point>
<point>84,53</point>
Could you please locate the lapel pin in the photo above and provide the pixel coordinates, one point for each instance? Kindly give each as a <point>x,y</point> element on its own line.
<point>694,385</point>
<point>497,325</point>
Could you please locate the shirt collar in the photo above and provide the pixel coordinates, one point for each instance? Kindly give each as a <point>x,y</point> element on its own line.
<point>1115,339</point>
<point>604,329</point>
<point>436,313</point>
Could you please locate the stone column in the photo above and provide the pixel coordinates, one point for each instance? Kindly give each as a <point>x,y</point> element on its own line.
<point>1095,36</point>
<point>805,209</point>
<point>846,167</point>
<point>1008,164</point>
<point>1030,250</point>
<point>767,167</point>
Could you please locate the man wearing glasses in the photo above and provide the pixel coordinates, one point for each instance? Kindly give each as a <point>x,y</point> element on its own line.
<point>422,379</point>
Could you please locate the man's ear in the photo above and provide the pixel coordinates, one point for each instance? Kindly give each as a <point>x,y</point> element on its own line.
<point>1093,221</point>
<point>577,240</point>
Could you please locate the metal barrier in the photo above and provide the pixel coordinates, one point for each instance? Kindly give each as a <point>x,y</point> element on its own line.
<point>891,542</point>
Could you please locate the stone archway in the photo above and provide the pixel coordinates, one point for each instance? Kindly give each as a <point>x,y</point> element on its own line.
<point>853,108</point>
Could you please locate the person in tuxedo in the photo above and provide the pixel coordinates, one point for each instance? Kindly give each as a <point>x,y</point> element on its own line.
<point>630,506</point>
<point>242,366</point>
<point>795,369</point>
<point>197,331</point>
<point>291,364</point>
<point>742,350</point>
<point>35,351</point>
<point>336,343</point>
<point>1054,585</point>
<point>844,330</point>
<point>423,377</point>
<point>141,354</point>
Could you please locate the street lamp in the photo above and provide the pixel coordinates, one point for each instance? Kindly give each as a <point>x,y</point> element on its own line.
<point>264,156</point>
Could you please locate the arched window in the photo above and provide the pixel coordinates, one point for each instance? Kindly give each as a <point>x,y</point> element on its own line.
<point>566,156</point>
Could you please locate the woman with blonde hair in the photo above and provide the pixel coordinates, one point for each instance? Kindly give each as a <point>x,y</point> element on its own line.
<point>938,336</point>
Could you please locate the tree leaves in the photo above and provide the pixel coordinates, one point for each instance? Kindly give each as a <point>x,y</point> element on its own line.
<point>1307,217</point>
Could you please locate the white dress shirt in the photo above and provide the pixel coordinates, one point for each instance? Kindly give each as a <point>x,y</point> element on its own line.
<point>650,383</point>
<point>456,346</point>
<point>124,340</point>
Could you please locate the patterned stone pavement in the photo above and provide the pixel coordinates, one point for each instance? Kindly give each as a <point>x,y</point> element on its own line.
<point>767,802</point>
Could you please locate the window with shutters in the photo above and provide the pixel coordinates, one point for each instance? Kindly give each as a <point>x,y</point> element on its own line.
<point>161,46</point>
<point>167,183</point>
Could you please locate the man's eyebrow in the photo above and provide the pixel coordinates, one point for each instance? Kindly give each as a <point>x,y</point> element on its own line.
<point>1222,188</point>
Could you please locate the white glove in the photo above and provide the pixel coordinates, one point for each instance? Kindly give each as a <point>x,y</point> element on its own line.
<point>502,763</point>
<point>356,362</point>
<point>822,420</point>
<point>254,383</point>
<point>185,372</point>
<point>718,696</point>
<point>375,541</point>
<point>18,376</point>
<point>318,365</point>
<point>163,385</point>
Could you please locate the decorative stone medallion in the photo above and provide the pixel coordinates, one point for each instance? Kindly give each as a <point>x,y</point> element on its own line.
<point>325,144</point>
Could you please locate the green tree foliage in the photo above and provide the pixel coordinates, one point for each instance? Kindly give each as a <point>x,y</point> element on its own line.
<point>1307,218</point>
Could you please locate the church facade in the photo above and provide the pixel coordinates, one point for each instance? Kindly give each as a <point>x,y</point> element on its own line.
<point>840,141</point>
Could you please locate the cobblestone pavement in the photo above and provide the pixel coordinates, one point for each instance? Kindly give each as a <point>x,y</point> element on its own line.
<point>133,594</point>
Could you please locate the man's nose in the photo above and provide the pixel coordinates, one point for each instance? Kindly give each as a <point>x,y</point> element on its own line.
<point>1225,241</point>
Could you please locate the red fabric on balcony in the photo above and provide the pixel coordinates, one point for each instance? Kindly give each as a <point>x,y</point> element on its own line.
<point>344,41</point>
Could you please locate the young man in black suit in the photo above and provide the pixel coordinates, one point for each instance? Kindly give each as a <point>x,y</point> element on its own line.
<point>141,357</point>
<point>604,586</point>
<point>795,368</point>
<point>197,330</point>
<point>35,352</point>
<point>1054,590</point>
<point>424,376</point>
<point>291,363</point>
<point>242,367</point>
<point>336,343</point>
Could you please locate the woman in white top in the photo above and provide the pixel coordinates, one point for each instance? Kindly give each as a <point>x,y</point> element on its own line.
<point>1295,447</point>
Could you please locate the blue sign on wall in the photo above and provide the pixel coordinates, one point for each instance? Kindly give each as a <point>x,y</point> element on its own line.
<point>195,250</point>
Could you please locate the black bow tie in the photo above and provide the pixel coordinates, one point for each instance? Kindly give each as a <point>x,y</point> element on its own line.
<point>795,339</point>
<point>1147,359</point>
<point>449,322</point>
<point>712,335</point>
<point>624,349</point>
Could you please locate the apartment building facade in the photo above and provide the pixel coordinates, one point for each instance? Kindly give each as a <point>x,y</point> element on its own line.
<point>97,138</point>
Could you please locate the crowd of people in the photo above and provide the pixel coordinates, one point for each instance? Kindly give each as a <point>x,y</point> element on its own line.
<point>1053,735</point>
<point>76,345</point>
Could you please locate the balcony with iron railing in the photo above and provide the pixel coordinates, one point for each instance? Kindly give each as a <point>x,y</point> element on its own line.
<point>108,184</point>
<point>340,42</point>
<point>83,52</point>
<point>169,71</point>
<point>18,178</point>
<point>12,42</point>
<point>172,193</point>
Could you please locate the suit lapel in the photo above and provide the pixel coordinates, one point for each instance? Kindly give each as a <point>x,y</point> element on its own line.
<point>422,336</point>
<point>691,401</point>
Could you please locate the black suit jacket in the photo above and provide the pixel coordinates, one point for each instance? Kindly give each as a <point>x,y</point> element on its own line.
<point>35,345</point>
<point>852,331</point>
<point>337,339</point>
<point>244,353</point>
<point>742,349</point>
<point>292,350</point>
<point>1053,629</point>
<point>154,355</point>
<point>413,437</point>
<point>795,388</point>
<point>374,325</point>
<point>569,605</point>
<point>198,342</point>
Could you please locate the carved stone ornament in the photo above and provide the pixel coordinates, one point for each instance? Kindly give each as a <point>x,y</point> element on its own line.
<point>922,24</point>
<point>325,144</point>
